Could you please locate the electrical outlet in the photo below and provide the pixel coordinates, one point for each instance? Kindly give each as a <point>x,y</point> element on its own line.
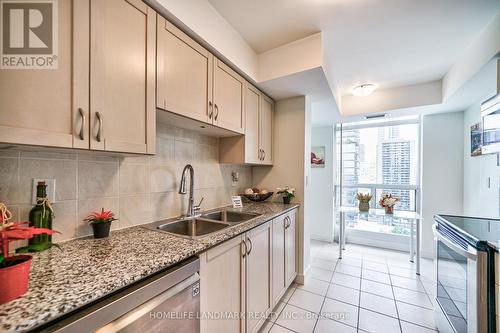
<point>51,189</point>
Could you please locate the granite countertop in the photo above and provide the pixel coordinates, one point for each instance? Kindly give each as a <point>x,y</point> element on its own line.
<point>86,269</point>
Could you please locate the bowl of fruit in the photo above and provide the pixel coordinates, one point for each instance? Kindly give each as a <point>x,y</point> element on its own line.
<point>257,195</point>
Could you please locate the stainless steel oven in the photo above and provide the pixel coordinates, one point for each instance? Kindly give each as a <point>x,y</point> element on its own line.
<point>464,300</point>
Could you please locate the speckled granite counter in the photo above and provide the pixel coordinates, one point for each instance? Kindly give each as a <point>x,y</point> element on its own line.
<point>84,270</point>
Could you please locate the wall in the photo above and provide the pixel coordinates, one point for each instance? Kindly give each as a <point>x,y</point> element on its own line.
<point>478,198</point>
<point>139,189</point>
<point>322,181</point>
<point>441,171</point>
<point>291,133</point>
<point>201,18</point>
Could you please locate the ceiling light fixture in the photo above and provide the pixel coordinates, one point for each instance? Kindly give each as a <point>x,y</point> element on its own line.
<point>363,90</point>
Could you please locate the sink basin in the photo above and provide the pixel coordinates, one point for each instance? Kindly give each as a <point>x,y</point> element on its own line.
<point>229,216</point>
<point>192,228</point>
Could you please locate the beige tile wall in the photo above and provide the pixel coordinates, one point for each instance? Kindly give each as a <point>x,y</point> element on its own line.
<point>139,189</point>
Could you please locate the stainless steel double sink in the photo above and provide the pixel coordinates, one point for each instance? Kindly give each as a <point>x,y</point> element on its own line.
<point>203,225</point>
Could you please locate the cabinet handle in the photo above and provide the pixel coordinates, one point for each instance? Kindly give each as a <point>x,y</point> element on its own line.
<point>216,112</point>
<point>263,154</point>
<point>211,109</point>
<point>251,246</point>
<point>260,154</point>
<point>287,218</point>
<point>243,242</point>
<point>98,136</point>
<point>82,115</point>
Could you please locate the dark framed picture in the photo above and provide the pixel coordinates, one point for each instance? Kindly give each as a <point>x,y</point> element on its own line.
<point>476,139</point>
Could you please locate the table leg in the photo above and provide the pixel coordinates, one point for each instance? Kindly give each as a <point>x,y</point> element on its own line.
<point>412,238</point>
<point>419,245</point>
<point>341,233</point>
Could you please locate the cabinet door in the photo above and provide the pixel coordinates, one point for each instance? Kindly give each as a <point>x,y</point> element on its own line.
<point>42,106</point>
<point>122,76</point>
<point>266,129</point>
<point>290,248</point>
<point>252,107</point>
<point>222,282</point>
<point>258,292</point>
<point>228,95</point>
<point>184,71</point>
<point>278,266</point>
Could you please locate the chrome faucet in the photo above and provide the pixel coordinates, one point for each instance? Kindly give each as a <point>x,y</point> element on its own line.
<point>192,210</point>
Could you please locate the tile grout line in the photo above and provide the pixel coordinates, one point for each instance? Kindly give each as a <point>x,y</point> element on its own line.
<point>395,303</point>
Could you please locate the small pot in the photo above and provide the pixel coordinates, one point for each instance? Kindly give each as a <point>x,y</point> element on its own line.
<point>389,210</point>
<point>101,230</point>
<point>364,206</point>
<point>286,200</point>
<point>14,279</point>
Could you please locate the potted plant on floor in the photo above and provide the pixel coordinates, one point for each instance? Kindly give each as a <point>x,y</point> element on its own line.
<point>14,270</point>
<point>101,222</point>
<point>388,201</point>
<point>287,193</point>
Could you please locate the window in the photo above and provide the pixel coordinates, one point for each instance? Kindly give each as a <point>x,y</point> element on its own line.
<point>376,158</point>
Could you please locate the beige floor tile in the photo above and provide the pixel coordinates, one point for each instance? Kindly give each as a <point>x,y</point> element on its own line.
<point>296,319</point>
<point>329,326</point>
<point>374,322</point>
<point>306,300</point>
<point>343,294</point>
<point>378,304</point>
<point>340,311</point>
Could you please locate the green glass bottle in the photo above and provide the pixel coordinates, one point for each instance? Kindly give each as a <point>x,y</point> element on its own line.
<point>41,216</point>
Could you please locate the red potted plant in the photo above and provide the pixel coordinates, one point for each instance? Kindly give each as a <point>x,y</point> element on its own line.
<point>14,270</point>
<point>101,222</point>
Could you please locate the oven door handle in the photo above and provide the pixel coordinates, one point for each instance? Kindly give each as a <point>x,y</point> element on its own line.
<point>470,253</point>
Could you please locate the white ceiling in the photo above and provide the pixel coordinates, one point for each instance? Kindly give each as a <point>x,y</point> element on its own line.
<point>387,42</point>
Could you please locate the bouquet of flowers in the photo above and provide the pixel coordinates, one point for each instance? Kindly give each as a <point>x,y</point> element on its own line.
<point>387,200</point>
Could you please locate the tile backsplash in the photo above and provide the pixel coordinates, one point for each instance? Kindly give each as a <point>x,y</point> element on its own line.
<point>139,189</point>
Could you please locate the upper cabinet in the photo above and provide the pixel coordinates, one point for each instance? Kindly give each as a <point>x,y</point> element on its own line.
<point>228,98</point>
<point>122,76</point>
<point>194,84</point>
<point>184,73</point>
<point>49,107</point>
<point>256,146</point>
<point>101,96</point>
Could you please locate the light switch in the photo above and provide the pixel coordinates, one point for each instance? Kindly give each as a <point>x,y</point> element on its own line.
<point>51,189</point>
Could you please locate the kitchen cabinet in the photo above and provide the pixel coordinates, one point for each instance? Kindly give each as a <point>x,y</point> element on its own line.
<point>256,146</point>
<point>266,130</point>
<point>101,96</point>
<point>195,84</point>
<point>278,255</point>
<point>122,76</point>
<point>184,74</point>
<point>290,248</point>
<point>258,277</point>
<point>228,98</point>
<point>47,107</point>
<point>283,254</point>
<point>236,278</point>
<point>222,285</point>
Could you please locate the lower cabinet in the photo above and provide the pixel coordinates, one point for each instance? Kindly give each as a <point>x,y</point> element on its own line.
<point>283,254</point>
<point>258,277</point>
<point>241,280</point>
<point>222,286</point>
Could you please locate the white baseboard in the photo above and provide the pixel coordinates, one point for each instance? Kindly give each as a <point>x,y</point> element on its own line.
<point>322,238</point>
<point>300,278</point>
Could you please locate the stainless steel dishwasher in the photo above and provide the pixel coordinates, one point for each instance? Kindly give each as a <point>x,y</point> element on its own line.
<point>166,302</point>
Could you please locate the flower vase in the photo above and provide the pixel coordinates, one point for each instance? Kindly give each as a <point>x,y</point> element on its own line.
<point>364,206</point>
<point>389,210</point>
<point>286,200</point>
